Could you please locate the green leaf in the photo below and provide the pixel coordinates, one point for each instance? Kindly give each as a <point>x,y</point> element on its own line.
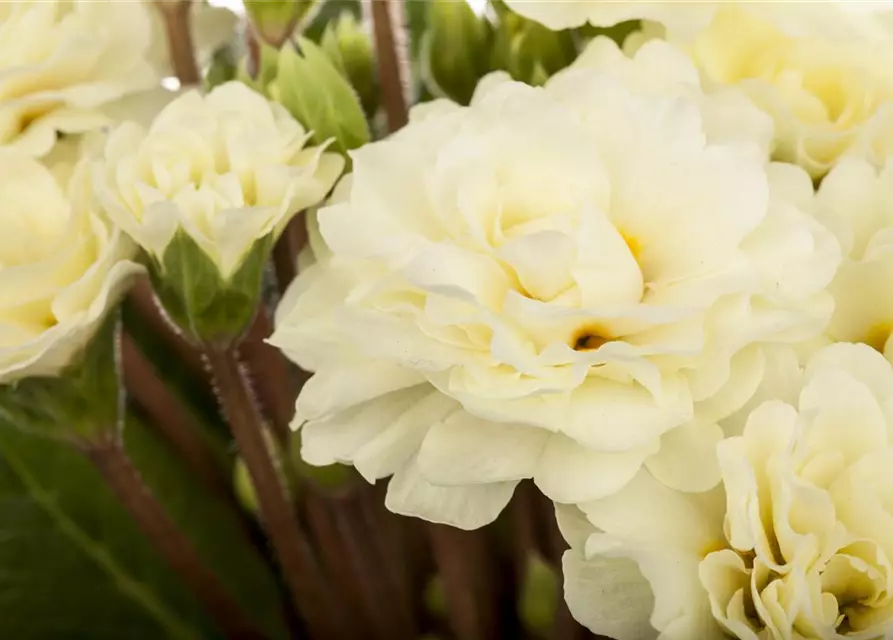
<point>74,566</point>
<point>320,98</point>
<point>197,297</point>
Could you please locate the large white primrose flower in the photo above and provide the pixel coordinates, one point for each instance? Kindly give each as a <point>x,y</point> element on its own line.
<point>227,168</point>
<point>546,285</point>
<point>855,201</point>
<point>63,61</point>
<point>795,543</point>
<point>63,266</point>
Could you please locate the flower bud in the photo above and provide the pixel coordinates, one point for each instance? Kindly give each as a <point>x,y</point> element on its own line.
<point>349,47</point>
<point>206,190</point>
<point>530,52</point>
<point>539,596</point>
<point>309,85</point>
<point>244,487</point>
<point>454,50</point>
<point>276,20</point>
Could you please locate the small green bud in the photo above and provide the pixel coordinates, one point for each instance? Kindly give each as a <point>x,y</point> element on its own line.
<point>454,50</point>
<point>349,47</point>
<point>330,477</point>
<point>211,309</point>
<point>540,591</point>
<point>310,86</point>
<point>435,597</point>
<point>276,20</point>
<point>618,33</point>
<point>223,68</point>
<point>529,51</point>
<point>244,487</point>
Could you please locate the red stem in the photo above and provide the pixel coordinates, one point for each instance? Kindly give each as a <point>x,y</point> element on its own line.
<point>311,594</point>
<point>114,465</point>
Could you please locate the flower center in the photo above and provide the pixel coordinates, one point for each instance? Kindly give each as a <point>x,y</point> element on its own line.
<point>589,338</point>
<point>876,337</point>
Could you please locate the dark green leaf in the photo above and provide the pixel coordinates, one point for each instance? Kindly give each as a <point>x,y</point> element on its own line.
<point>74,566</point>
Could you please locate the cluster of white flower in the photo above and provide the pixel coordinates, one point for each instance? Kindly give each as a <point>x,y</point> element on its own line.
<point>657,286</point>
<point>76,207</point>
<point>643,286</point>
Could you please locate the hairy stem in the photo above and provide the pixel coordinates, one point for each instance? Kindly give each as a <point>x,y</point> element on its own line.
<point>177,17</point>
<point>114,465</point>
<point>276,389</point>
<point>170,418</point>
<point>386,26</point>
<point>309,590</point>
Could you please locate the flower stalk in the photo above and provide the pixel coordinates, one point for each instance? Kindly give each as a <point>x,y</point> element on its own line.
<point>108,456</point>
<point>386,25</point>
<point>309,590</point>
<point>177,23</point>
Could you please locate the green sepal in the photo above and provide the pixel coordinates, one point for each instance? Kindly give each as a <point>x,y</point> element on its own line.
<point>81,403</point>
<point>198,299</point>
<point>310,86</point>
<point>538,601</point>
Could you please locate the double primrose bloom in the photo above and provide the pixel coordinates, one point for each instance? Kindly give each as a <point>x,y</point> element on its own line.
<point>552,286</point>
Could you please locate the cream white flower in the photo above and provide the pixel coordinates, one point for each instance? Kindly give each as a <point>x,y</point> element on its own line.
<point>62,61</point>
<point>228,168</point>
<point>822,72</point>
<point>796,542</point>
<point>685,17</point>
<point>855,201</point>
<point>62,266</point>
<point>548,285</point>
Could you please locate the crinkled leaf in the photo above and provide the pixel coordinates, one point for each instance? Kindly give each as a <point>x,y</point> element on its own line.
<point>75,566</point>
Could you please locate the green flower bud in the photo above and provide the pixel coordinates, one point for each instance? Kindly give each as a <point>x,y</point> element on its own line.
<point>330,477</point>
<point>540,591</point>
<point>349,47</point>
<point>529,51</point>
<point>310,86</point>
<point>454,50</point>
<point>276,20</point>
<point>244,487</point>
